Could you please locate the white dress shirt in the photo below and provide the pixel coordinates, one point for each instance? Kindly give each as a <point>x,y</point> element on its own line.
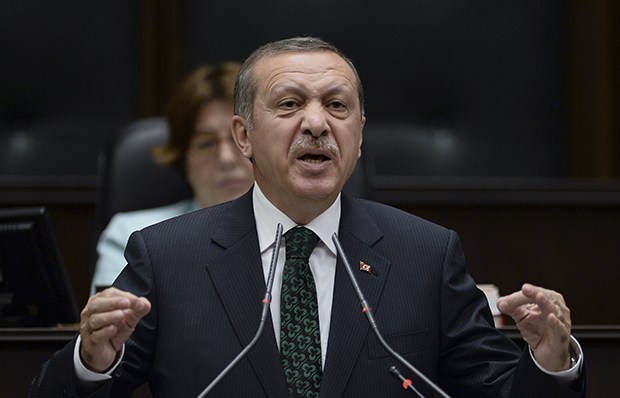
<point>322,260</point>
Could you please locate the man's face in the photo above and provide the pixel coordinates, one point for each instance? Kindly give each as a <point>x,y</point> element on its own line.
<point>307,127</point>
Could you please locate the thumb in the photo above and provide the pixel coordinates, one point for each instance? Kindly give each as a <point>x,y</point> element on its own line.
<point>140,308</point>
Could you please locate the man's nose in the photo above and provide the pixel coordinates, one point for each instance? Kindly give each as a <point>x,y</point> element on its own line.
<point>315,121</point>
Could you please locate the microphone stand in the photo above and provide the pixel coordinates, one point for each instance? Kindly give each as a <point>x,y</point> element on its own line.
<point>266,302</point>
<point>366,310</point>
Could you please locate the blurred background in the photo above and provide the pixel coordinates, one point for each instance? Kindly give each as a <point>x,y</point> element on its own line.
<point>489,89</point>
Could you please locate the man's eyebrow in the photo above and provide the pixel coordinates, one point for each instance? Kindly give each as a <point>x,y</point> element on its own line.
<point>287,87</point>
<point>339,88</point>
<point>293,88</point>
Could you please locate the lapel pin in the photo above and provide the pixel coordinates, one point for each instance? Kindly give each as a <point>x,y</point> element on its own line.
<point>364,267</point>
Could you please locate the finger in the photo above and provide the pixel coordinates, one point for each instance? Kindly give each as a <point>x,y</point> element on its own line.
<point>108,300</point>
<point>122,307</point>
<point>514,302</point>
<point>527,312</point>
<point>119,315</point>
<point>97,321</point>
<point>101,311</point>
<point>131,318</point>
<point>549,302</point>
<point>100,336</point>
<point>104,325</point>
<point>100,305</point>
<point>133,315</point>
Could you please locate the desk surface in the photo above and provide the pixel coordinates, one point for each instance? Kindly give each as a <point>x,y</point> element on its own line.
<point>66,333</point>
<point>580,332</point>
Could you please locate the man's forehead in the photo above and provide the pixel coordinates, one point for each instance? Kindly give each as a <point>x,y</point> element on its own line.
<point>311,63</point>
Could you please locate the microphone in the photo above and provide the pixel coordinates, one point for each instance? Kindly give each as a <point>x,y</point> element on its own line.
<point>407,383</point>
<point>266,302</point>
<point>367,310</point>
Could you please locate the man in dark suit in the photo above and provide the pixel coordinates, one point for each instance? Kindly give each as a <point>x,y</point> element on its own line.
<point>189,299</point>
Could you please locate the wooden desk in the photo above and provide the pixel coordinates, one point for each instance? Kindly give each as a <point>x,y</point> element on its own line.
<point>23,351</point>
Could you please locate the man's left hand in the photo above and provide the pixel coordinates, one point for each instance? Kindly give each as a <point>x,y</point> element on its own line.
<point>543,319</point>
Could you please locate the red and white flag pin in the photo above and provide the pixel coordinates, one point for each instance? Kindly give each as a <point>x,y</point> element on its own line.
<point>364,267</point>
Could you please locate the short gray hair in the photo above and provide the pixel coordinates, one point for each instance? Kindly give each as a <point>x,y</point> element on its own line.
<point>245,86</point>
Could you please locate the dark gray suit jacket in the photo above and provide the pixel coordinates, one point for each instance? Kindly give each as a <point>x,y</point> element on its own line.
<point>202,273</point>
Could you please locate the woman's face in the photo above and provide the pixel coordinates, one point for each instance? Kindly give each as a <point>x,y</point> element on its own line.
<point>216,170</point>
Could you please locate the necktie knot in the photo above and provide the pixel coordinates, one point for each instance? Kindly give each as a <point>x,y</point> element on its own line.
<point>299,242</point>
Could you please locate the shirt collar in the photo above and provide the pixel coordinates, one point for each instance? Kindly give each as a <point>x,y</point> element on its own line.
<point>268,216</point>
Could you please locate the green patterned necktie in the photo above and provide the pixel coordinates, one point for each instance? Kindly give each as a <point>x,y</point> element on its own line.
<point>300,339</point>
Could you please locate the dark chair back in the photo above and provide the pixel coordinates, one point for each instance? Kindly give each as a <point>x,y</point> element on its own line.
<point>129,179</point>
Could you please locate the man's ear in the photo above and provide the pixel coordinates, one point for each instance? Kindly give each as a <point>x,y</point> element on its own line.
<point>359,153</point>
<point>240,133</point>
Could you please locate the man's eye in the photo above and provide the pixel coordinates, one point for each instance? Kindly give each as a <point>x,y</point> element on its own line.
<point>289,104</point>
<point>337,105</point>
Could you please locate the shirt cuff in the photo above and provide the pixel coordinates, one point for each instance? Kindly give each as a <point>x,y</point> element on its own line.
<point>565,377</point>
<point>85,375</point>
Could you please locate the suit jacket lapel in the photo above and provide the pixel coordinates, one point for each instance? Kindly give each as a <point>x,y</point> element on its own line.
<point>238,278</point>
<point>349,326</point>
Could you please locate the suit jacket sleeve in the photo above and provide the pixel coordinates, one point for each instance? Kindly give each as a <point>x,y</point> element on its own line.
<point>473,356</point>
<point>56,378</point>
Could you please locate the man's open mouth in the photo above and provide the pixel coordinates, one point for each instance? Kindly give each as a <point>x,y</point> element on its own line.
<point>313,158</point>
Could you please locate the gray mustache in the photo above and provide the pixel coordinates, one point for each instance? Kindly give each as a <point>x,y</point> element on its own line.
<point>307,141</point>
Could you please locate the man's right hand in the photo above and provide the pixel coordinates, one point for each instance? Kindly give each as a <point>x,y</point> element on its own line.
<point>107,321</point>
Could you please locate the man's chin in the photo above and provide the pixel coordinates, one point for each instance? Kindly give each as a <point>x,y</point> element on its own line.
<point>317,190</point>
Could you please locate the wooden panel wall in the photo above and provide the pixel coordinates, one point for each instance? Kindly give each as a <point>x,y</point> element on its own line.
<point>560,234</point>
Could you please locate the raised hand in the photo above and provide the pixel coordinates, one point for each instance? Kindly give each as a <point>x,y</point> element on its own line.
<point>544,321</point>
<point>107,321</point>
